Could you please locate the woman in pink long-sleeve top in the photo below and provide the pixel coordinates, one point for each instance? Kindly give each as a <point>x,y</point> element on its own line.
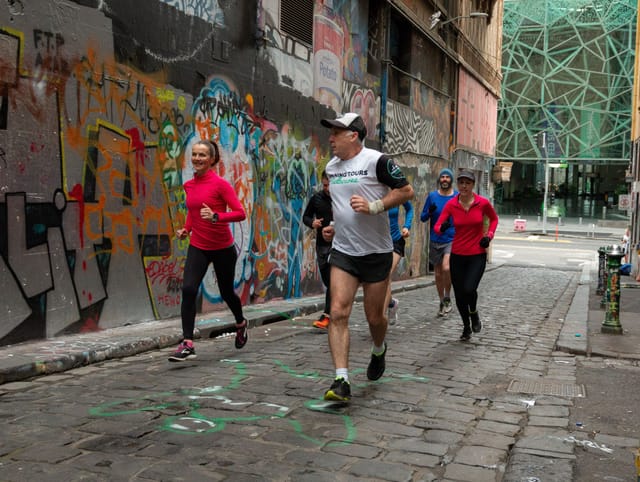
<point>467,212</point>
<point>211,205</point>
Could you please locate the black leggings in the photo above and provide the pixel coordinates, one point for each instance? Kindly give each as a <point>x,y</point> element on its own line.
<point>466,273</point>
<point>195,267</point>
<point>325,274</point>
<point>322,256</point>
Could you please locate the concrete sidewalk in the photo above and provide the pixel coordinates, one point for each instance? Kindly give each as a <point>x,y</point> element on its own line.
<point>581,331</point>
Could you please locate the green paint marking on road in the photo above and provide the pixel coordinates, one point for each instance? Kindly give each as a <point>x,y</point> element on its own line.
<point>293,373</point>
<point>196,423</point>
<point>411,378</point>
<point>326,406</point>
<point>241,374</point>
<point>350,430</point>
<point>191,421</point>
<point>104,410</point>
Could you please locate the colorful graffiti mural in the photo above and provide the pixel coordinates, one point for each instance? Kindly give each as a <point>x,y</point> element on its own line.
<point>94,152</point>
<point>92,170</point>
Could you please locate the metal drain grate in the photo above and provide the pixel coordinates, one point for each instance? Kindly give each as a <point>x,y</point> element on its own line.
<point>545,387</point>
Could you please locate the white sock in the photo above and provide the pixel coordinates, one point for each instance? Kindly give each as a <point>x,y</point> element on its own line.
<point>342,373</point>
<point>378,350</point>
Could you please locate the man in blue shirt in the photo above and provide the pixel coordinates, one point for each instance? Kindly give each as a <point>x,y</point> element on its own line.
<point>399,237</point>
<point>440,244</point>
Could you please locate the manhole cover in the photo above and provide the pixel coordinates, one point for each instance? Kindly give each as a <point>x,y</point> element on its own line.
<point>542,387</point>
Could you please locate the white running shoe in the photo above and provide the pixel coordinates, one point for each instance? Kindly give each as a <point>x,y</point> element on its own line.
<point>448,306</point>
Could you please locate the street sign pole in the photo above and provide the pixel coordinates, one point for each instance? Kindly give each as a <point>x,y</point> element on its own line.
<point>546,183</point>
<point>546,189</point>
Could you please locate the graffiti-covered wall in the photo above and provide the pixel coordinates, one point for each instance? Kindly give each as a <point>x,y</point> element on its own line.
<point>100,105</point>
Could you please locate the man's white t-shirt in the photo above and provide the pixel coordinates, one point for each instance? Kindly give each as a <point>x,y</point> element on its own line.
<point>370,175</point>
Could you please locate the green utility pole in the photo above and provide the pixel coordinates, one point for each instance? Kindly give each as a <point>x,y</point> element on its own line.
<point>611,322</point>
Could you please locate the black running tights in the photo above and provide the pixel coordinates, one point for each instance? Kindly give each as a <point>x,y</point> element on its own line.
<point>466,273</point>
<point>195,267</point>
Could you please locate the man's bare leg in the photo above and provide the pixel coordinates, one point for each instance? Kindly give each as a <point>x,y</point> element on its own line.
<point>446,275</point>
<point>439,277</point>
<point>375,309</point>
<point>394,265</point>
<point>343,293</point>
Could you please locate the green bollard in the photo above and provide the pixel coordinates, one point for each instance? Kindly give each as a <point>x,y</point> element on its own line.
<point>611,322</point>
<point>602,269</point>
<point>605,276</point>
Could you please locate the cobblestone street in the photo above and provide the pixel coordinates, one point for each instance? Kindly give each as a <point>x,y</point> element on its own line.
<point>443,410</point>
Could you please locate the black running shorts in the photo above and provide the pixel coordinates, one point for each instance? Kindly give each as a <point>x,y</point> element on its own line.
<point>371,268</point>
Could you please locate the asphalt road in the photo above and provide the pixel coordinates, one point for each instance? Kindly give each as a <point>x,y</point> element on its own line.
<point>546,251</point>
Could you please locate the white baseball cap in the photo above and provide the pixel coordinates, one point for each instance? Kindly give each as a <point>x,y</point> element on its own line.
<point>349,121</point>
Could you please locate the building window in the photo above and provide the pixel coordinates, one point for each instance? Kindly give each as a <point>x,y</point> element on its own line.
<point>296,19</point>
<point>400,43</point>
<point>375,36</point>
<point>417,64</point>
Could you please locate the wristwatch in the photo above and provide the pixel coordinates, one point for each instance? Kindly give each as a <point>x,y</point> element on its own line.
<point>214,218</point>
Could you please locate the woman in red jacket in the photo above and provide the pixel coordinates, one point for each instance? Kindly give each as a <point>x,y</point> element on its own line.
<point>467,212</point>
<point>211,205</point>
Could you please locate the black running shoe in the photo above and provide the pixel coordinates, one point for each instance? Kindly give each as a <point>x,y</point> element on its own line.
<point>466,335</point>
<point>476,325</point>
<point>183,352</point>
<point>376,365</point>
<point>242,334</point>
<point>340,391</point>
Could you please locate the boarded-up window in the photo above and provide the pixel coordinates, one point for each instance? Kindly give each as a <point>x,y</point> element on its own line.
<point>296,19</point>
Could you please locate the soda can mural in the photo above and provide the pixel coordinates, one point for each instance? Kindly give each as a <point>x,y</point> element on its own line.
<point>328,43</point>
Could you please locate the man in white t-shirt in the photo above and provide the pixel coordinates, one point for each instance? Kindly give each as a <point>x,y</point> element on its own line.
<point>364,183</point>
